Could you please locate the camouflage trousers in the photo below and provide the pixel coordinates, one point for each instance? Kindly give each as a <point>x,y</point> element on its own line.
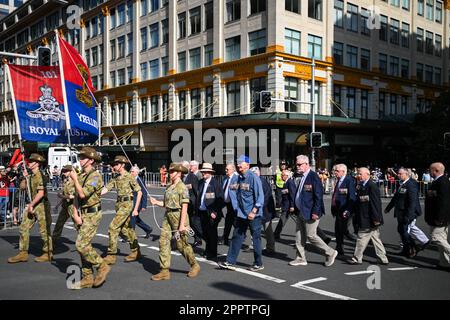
<point>121,225</point>
<point>65,213</point>
<point>89,257</point>
<point>43,217</point>
<point>170,223</point>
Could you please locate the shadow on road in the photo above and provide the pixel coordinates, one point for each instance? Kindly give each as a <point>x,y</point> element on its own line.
<point>241,290</point>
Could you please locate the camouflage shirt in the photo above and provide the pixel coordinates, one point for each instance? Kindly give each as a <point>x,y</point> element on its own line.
<point>68,190</point>
<point>125,185</point>
<point>176,195</point>
<point>92,184</point>
<point>38,182</point>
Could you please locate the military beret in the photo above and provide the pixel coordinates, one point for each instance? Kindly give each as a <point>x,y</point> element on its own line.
<point>67,167</point>
<point>120,159</point>
<point>90,153</point>
<point>178,167</point>
<point>37,157</point>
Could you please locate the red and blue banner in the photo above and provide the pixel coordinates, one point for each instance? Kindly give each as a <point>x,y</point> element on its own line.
<point>38,103</point>
<point>80,104</point>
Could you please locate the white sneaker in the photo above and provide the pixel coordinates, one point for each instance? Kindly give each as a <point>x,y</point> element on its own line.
<point>298,262</point>
<point>330,260</point>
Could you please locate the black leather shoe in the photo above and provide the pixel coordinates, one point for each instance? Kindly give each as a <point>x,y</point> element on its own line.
<point>154,238</point>
<point>197,243</point>
<point>327,240</point>
<point>269,253</point>
<point>340,251</point>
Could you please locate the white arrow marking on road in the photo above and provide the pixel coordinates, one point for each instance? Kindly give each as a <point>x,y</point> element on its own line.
<point>102,235</point>
<point>402,269</point>
<point>259,275</point>
<point>322,292</point>
<point>309,281</point>
<point>359,272</point>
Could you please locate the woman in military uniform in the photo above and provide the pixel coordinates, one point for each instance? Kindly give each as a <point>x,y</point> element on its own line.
<point>125,184</point>
<point>176,200</point>
<point>38,210</point>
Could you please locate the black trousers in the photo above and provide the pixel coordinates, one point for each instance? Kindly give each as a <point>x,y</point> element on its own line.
<point>340,229</point>
<point>282,222</point>
<point>229,220</point>
<point>209,227</point>
<point>402,228</point>
<point>195,223</point>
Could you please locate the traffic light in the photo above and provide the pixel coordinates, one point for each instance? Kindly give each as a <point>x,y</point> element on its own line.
<point>447,141</point>
<point>265,99</point>
<point>316,140</point>
<point>44,56</point>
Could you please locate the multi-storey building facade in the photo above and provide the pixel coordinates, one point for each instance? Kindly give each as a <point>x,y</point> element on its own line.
<point>159,65</point>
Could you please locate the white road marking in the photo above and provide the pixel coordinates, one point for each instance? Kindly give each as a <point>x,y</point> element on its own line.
<point>260,275</point>
<point>322,292</point>
<point>402,269</point>
<point>102,235</point>
<point>301,283</point>
<point>359,272</point>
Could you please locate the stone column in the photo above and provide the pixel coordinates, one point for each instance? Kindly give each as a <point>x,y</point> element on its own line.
<point>219,41</point>
<point>106,48</point>
<point>173,103</point>
<point>136,77</point>
<point>275,81</point>
<point>172,45</point>
<point>188,104</point>
<point>217,93</point>
<point>358,103</point>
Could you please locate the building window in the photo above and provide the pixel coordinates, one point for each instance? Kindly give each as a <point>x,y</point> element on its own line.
<point>154,5</point>
<point>130,115</point>
<point>121,46</point>
<point>233,97</point>
<point>429,74</point>
<point>382,105</point>
<point>94,52</point>
<point>438,76</point>
<point>182,25</point>
<point>209,97</point>
<point>257,42</point>
<point>87,57</point>
<point>195,21</point>
<point>154,35</point>
<point>144,7</point>
<point>165,66</point>
<point>182,61</point>
<point>404,105</point>
<point>337,101</point>
<point>419,71</point>
<point>121,77</point>
<point>352,16</point>
<point>144,109</point>
<point>129,11</point>
<point>196,111</point>
<point>292,5</point>
<point>292,41</point>
<point>351,102</point>
<point>257,6</point>
<point>315,9</point>
<point>154,69</point>
<point>209,15</point>
<point>352,56</point>
<point>165,106</point>
<point>144,71</point>
<point>144,39</point>
<point>121,15</point>
<point>129,44</point>
<point>338,53</point>
<point>429,49</point>
<point>438,12</point>
<point>430,10</point>
<point>394,66</point>
<point>256,86</point>
<point>112,18</point>
<point>182,104</point>
<point>165,30</point>
<point>395,3</point>
<point>364,104</point>
<point>339,13</point>
<point>154,108</point>
<point>194,59</point>
<point>233,48</point>
<point>121,113</point>
<point>290,93</point>
<point>383,32</point>
<point>419,37</point>
<point>314,47</point>
<point>393,104</point>
<point>233,8</point>
<point>112,45</point>
<point>405,35</point>
<point>100,54</point>
<point>405,69</point>
<point>405,4</point>
<point>209,54</point>
<point>438,45</point>
<point>382,63</point>
<point>395,35</point>
<point>364,22</point>
<point>420,7</point>
<point>365,59</point>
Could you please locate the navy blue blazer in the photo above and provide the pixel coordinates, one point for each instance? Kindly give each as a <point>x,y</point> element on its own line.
<point>345,197</point>
<point>231,190</point>
<point>311,196</point>
<point>143,204</point>
<point>269,202</point>
<point>285,197</point>
<point>213,196</point>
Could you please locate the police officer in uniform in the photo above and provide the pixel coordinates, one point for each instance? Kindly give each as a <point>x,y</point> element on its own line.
<point>88,186</point>
<point>37,210</point>
<point>176,221</point>
<point>67,204</point>
<point>125,184</point>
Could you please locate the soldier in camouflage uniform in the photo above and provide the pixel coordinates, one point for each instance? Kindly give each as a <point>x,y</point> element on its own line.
<point>125,184</point>
<point>176,200</point>
<point>67,204</point>
<point>88,186</point>
<point>38,210</point>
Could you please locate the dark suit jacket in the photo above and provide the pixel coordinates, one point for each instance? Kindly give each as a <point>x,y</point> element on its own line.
<point>285,197</point>
<point>143,203</point>
<point>191,182</point>
<point>406,202</point>
<point>437,203</point>
<point>368,205</point>
<point>311,196</point>
<point>345,197</point>
<point>213,196</point>
<point>269,202</point>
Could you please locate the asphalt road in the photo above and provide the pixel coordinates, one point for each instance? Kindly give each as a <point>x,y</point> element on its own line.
<point>402,279</point>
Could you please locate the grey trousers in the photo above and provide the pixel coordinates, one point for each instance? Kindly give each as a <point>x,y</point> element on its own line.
<point>439,236</point>
<point>364,236</point>
<point>307,229</point>
<point>270,237</point>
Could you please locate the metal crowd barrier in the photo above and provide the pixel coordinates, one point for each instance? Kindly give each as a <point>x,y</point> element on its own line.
<point>10,206</point>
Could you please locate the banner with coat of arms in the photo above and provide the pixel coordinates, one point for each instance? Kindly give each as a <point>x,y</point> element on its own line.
<point>38,102</point>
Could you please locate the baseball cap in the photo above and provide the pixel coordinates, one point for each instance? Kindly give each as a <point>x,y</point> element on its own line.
<point>243,158</point>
